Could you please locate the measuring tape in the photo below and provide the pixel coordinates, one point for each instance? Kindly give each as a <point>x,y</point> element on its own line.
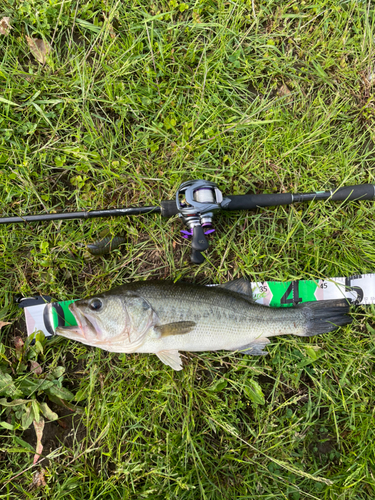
<point>359,289</point>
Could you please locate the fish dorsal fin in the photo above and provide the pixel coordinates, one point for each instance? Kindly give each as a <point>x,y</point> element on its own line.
<point>241,286</point>
<point>177,328</point>
<point>171,358</point>
<point>254,348</point>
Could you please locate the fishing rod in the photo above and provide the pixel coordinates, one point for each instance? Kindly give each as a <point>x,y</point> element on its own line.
<point>196,202</point>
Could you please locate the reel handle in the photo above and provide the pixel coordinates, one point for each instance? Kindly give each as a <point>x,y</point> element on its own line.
<point>196,257</point>
<point>199,241</point>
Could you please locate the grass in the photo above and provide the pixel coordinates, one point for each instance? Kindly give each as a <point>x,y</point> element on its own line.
<point>263,96</point>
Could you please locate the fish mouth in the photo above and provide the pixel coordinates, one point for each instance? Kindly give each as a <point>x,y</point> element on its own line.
<point>84,330</point>
<point>70,332</point>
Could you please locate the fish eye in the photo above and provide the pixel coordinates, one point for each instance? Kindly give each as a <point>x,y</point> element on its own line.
<point>95,304</point>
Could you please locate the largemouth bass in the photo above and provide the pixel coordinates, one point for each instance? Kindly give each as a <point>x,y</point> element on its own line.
<point>164,318</point>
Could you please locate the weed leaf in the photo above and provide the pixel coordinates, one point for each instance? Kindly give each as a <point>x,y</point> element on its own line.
<point>39,48</point>
<point>5,27</point>
<point>7,386</point>
<point>39,479</point>
<point>39,427</point>
<point>27,418</point>
<point>60,392</point>
<point>254,392</point>
<point>47,412</point>
<point>15,402</point>
<point>35,368</point>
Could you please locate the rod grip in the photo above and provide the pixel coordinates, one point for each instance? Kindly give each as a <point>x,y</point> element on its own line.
<point>168,208</point>
<point>252,201</point>
<point>361,192</point>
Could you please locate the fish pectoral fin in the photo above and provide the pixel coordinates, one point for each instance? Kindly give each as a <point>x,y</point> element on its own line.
<point>240,286</point>
<point>255,347</point>
<point>177,328</point>
<point>171,358</point>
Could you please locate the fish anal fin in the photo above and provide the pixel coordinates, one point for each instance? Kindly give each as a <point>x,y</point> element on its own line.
<point>170,357</point>
<point>255,348</point>
<point>240,286</point>
<point>177,328</point>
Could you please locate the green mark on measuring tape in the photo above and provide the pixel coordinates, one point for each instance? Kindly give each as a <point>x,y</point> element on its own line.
<point>61,315</point>
<point>307,290</point>
<point>284,294</point>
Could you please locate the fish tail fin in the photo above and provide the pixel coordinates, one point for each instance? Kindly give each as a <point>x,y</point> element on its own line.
<point>318,317</point>
<point>324,316</point>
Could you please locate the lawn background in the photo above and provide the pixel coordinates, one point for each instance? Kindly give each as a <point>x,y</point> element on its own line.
<point>134,98</point>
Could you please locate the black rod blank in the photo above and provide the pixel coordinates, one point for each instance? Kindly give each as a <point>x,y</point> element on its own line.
<point>111,212</point>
